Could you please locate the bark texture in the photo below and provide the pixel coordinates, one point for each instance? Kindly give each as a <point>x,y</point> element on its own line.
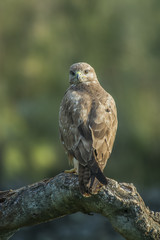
<point>59,196</point>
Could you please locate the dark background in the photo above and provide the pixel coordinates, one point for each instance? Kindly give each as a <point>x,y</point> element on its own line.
<point>39,40</point>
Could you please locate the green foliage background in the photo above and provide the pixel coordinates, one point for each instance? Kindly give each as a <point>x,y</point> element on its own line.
<point>39,40</point>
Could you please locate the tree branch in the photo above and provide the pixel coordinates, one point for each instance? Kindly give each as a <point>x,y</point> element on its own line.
<point>59,196</point>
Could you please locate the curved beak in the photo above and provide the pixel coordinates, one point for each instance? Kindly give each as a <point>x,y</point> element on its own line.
<point>79,75</point>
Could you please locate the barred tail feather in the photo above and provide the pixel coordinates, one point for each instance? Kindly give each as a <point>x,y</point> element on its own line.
<point>84,179</point>
<point>91,179</point>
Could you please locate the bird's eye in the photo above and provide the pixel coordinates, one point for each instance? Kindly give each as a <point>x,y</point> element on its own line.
<point>86,71</point>
<point>72,73</point>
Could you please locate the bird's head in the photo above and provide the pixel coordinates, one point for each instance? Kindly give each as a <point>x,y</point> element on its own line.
<point>82,73</point>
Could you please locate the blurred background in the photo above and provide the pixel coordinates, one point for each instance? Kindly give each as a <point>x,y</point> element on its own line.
<point>39,40</point>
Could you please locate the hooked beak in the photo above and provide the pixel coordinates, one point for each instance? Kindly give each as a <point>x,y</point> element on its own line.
<point>79,76</point>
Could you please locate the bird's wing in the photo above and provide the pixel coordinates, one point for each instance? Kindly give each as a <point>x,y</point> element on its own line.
<point>103,126</point>
<point>75,134</point>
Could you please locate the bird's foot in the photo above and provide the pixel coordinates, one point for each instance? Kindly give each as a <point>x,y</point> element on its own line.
<point>73,170</point>
<point>86,195</point>
<point>95,187</point>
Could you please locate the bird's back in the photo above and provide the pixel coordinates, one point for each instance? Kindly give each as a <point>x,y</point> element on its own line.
<point>88,124</point>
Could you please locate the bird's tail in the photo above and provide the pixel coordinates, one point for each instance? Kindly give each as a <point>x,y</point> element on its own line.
<point>91,179</point>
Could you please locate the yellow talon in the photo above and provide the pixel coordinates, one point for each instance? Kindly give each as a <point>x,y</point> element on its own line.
<point>73,170</point>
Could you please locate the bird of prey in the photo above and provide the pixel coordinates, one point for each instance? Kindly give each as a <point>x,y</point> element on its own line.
<point>88,124</point>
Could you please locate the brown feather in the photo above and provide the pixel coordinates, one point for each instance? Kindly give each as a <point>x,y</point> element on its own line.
<point>88,124</point>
